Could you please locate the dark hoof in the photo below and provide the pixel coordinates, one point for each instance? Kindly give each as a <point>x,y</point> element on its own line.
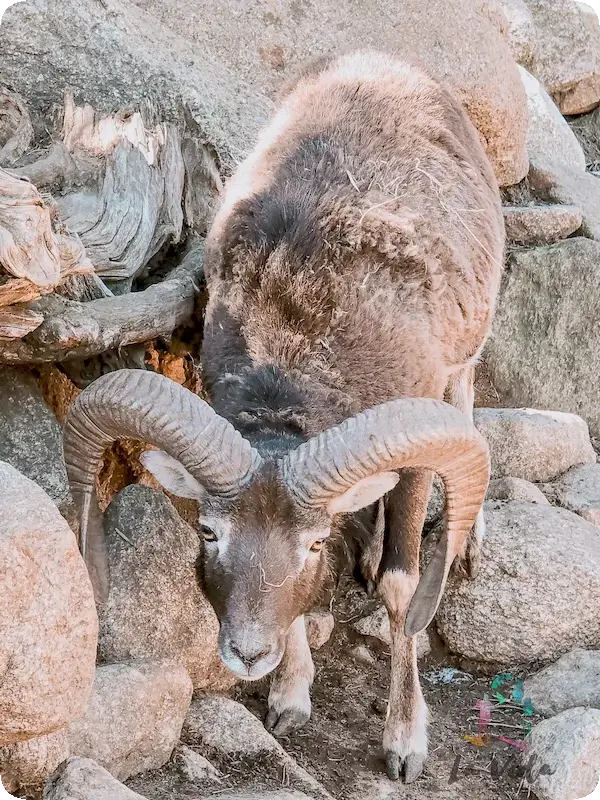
<point>290,720</point>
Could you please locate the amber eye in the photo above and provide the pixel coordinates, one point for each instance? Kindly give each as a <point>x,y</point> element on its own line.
<point>317,546</point>
<point>208,533</point>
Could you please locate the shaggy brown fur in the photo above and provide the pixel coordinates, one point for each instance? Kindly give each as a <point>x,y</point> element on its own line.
<point>356,259</point>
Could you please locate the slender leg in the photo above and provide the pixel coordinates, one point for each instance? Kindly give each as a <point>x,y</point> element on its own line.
<point>289,698</point>
<point>405,734</point>
<point>460,394</point>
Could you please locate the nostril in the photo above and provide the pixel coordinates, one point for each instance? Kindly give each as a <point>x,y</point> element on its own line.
<point>249,657</point>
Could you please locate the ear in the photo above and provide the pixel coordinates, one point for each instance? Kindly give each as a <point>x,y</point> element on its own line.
<point>172,475</point>
<point>363,493</point>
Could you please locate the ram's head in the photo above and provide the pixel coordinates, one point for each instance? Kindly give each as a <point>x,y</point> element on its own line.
<point>266,520</point>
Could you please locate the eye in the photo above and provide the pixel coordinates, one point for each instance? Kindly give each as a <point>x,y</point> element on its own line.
<point>318,545</point>
<point>208,534</point>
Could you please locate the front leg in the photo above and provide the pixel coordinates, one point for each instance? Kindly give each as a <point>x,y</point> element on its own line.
<point>289,698</point>
<point>405,734</point>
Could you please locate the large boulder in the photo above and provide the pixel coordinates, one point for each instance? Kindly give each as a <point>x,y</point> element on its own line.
<point>83,779</point>
<point>516,489</point>
<point>572,682</point>
<point>134,718</point>
<point>31,438</point>
<point>155,608</point>
<point>545,345</point>
<point>48,622</point>
<point>458,40</point>
<point>537,593</point>
<point>534,445</point>
<point>521,32</point>
<point>579,491</point>
<point>564,755</point>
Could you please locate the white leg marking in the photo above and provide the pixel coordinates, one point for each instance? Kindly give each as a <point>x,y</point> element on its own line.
<point>289,697</point>
<point>405,734</point>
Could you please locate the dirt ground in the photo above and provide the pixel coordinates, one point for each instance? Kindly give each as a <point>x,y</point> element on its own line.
<point>341,745</point>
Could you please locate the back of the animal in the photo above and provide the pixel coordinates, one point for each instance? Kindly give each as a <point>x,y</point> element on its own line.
<point>369,198</point>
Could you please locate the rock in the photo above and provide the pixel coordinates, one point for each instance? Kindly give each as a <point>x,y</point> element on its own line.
<point>568,746</point>
<point>319,627</point>
<point>584,96</point>
<point>224,727</point>
<point>545,343</point>
<point>26,765</point>
<point>362,655</point>
<point>194,767</point>
<point>437,503</point>
<point>82,779</point>
<point>134,718</point>
<point>533,445</point>
<point>377,625</point>
<point>227,731</point>
<point>460,44</point>
<point>538,562</point>
<point>156,608</point>
<point>130,52</point>
<point>551,144</point>
<point>557,161</point>
<point>566,52</point>
<point>48,622</point>
<point>31,438</point>
<point>579,491</point>
<point>573,681</point>
<point>529,225</point>
<point>516,489</point>
<point>521,32</point>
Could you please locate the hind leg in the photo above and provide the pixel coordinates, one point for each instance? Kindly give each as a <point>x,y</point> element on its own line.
<point>460,394</point>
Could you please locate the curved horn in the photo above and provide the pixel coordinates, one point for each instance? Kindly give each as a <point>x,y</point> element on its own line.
<point>402,433</point>
<point>144,405</point>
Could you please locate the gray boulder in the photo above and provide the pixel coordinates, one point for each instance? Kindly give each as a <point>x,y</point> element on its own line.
<point>83,779</point>
<point>573,681</point>
<point>155,608</point>
<point>537,593</point>
<point>533,445</point>
<point>545,224</point>
<point>579,491</point>
<point>48,622</point>
<point>564,755</point>
<point>134,718</point>
<point>521,32</point>
<point>515,489</point>
<point>31,438</point>
<point>319,627</point>
<point>545,345</point>
<point>227,732</point>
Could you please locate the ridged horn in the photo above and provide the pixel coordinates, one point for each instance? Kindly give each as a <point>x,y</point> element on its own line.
<point>144,405</point>
<point>402,433</point>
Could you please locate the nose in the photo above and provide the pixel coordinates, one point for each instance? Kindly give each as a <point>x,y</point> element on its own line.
<point>249,655</point>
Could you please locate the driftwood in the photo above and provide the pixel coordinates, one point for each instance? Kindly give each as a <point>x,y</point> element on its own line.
<point>83,219</point>
<point>79,330</point>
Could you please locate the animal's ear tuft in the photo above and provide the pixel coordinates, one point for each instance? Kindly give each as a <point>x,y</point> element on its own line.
<point>363,493</point>
<point>172,475</point>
